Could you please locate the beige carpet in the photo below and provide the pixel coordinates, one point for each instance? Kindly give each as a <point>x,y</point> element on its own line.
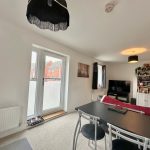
<point>53,135</point>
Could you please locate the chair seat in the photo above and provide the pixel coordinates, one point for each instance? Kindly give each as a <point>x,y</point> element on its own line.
<point>120,144</point>
<point>88,130</point>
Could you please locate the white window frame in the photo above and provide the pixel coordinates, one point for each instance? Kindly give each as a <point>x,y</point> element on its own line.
<point>38,108</point>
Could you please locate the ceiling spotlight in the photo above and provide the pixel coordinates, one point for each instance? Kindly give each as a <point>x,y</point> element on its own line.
<point>133,59</point>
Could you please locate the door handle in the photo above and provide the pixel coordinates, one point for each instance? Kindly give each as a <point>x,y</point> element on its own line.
<point>43,82</point>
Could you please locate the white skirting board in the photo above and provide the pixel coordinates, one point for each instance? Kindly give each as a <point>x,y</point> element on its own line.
<point>9,118</point>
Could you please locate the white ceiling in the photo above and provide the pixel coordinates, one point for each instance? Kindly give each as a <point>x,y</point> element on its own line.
<point>92,31</point>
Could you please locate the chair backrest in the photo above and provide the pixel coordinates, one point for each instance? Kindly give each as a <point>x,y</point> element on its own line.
<point>91,118</point>
<point>128,136</point>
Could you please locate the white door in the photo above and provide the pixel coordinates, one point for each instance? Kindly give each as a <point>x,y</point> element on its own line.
<point>46,90</point>
<point>53,82</point>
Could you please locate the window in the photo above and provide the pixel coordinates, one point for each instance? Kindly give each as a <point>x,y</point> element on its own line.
<point>32,85</point>
<point>99,76</point>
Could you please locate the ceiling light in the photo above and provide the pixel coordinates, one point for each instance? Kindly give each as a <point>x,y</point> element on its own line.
<point>133,59</point>
<point>133,51</point>
<point>110,6</point>
<point>48,14</point>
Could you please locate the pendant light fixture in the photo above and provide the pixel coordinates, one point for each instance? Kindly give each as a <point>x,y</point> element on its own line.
<point>48,14</point>
<point>133,59</point>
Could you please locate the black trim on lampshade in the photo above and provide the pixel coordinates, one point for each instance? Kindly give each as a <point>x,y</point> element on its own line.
<point>133,59</point>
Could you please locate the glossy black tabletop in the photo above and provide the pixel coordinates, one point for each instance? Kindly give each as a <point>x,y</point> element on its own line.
<point>131,121</point>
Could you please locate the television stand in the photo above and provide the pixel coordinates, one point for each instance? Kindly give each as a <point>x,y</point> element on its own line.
<point>121,96</point>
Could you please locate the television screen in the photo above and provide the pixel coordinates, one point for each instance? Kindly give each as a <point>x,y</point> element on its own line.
<point>119,86</point>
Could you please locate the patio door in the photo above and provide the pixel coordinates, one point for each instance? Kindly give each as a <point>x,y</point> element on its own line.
<point>48,93</point>
<point>53,82</point>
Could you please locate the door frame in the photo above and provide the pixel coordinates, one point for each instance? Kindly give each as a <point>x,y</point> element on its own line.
<point>62,88</point>
<point>38,107</point>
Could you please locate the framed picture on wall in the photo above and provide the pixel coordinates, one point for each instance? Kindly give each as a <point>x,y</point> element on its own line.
<point>83,70</point>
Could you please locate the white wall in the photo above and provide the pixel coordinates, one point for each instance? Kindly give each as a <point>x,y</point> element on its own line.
<point>124,71</point>
<point>15,52</point>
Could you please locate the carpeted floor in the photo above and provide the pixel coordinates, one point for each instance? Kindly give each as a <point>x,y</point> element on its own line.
<point>53,135</point>
<point>21,144</point>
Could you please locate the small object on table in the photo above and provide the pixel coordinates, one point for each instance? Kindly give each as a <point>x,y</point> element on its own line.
<point>118,109</point>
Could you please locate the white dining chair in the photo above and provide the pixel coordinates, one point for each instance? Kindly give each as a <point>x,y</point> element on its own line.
<point>125,140</point>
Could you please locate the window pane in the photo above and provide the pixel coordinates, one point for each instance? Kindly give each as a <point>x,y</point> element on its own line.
<point>31,98</point>
<point>51,97</point>
<point>32,85</point>
<point>52,82</point>
<point>33,65</point>
<point>100,82</point>
<point>53,67</point>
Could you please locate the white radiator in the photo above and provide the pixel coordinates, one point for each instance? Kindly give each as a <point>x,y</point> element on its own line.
<point>9,118</point>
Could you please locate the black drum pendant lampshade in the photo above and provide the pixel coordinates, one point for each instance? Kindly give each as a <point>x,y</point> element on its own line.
<point>48,14</point>
<point>133,59</point>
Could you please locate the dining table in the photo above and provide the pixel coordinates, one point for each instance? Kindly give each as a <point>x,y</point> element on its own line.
<point>131,121</point>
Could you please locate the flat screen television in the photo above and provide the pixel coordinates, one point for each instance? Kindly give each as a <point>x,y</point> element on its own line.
<point>119,86</point>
